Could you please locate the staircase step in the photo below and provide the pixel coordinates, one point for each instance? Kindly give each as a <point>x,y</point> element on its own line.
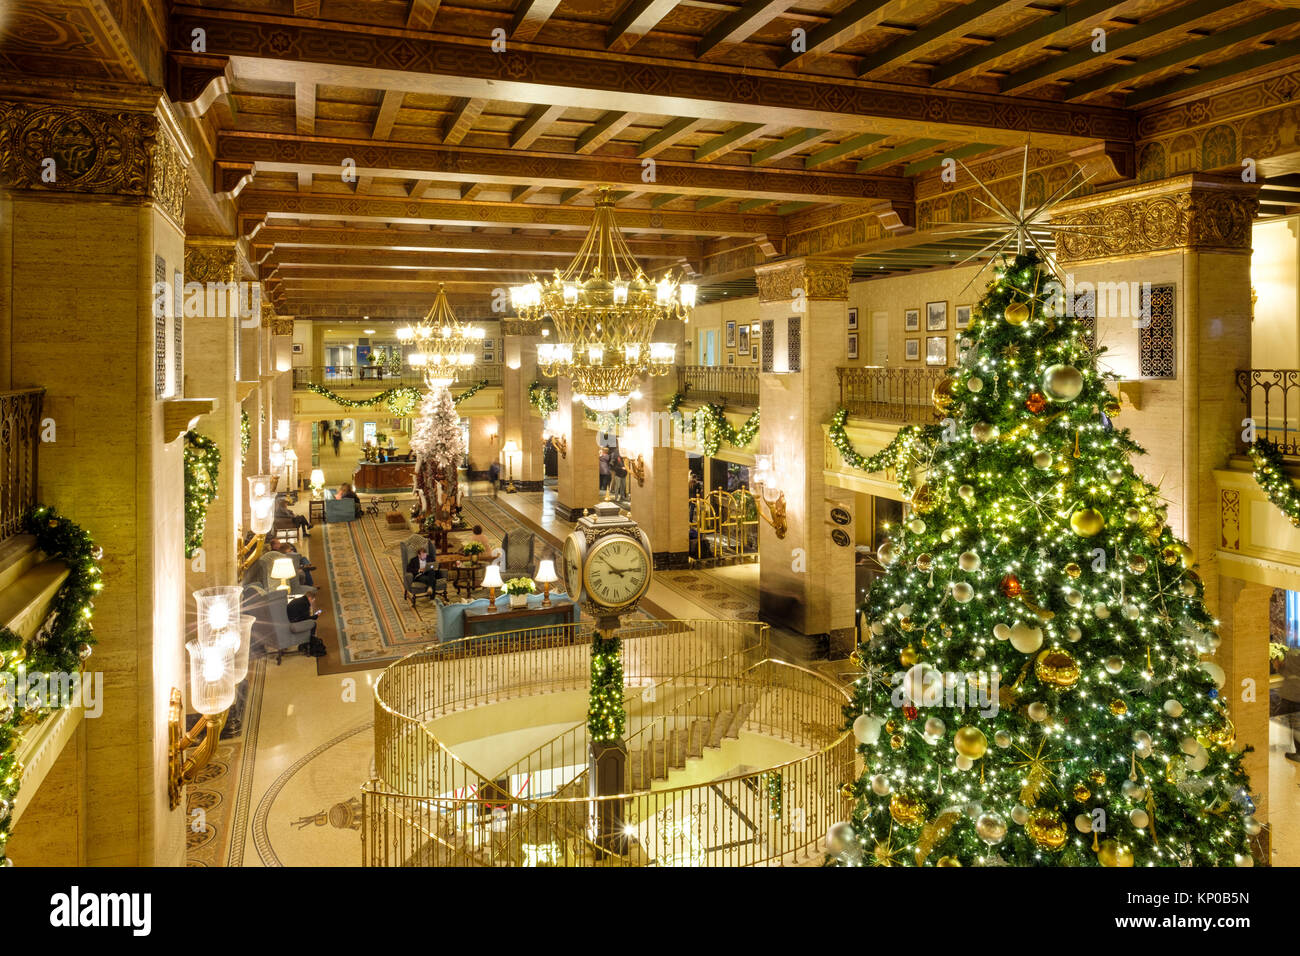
<point>28,583</point>
<point>697,737</point>
<point>718,730</point>
<point>677,749</point>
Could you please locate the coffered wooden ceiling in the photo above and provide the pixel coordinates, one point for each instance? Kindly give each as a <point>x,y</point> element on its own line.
<point>719,124</point>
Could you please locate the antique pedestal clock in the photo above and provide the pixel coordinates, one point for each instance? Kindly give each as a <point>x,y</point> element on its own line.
<point>607,568</point>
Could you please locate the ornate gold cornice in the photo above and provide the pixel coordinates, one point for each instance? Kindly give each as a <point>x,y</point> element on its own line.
<point>819,279</point>
<point>75,149</point>
<point>268,313</point>
<point>282,325</point>
<point>521,327</point>
<point>1195,211</point>
<point>211,262</point>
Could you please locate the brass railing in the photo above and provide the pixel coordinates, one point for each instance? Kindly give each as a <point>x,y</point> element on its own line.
<point>723,384</point>
<point>380,377</point>
<point>20,420</point>
<point>726,527</point>
<point>1272,398</point>
<point>448,814</point>
<point>899,395</point>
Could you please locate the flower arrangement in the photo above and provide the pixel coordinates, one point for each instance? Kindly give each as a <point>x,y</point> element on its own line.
<point>471,548</point>
<point>520,586</point>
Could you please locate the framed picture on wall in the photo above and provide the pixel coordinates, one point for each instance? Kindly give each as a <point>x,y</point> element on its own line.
<point>962,317</point>
<point>744,339</point>
<point>731,358</point>
<point>853,345</point>
<point>488,356</point>
<point>753,353</point>
<point>297,348</point>
<point>911,320</point>
<point>853,320</point>
<point>912,350</point>
<point>731,335</point>
<point>936,350</point>
<point>936,316</point>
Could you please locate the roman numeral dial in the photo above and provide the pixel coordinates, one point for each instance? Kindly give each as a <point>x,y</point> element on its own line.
<point>617,571</point>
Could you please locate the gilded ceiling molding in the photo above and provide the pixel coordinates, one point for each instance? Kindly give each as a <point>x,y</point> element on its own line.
<point>75,149</point>
<point>211,262</point>
<point>521,327</point>
<point>819,279</point>
<point>1195,211</point>
<point>282,325</point>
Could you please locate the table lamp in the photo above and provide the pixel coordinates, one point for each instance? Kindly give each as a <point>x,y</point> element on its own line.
<point>492,581</point>
<point>282,568</point>
<point>545,576</point>
<point>317,481</point>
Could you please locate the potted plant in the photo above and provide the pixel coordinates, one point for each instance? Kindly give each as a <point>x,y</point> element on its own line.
<point>1276,655</point>
<point>519,589</point>
<point>472,549</point>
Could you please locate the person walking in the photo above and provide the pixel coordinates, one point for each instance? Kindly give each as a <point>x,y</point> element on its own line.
<point>618,481</point>
<point>604,468</point>
<point>336,436</point>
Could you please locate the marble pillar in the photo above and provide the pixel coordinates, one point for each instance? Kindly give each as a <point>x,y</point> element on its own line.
<point>578,486</point>
<point>521,422</point>
<point>660,505</point>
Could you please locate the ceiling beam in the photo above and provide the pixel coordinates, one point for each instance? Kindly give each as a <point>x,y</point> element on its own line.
<point>531,128</point>
<point>286,205</point>
<point>524,193</point>
<point>304,97</point>
<point>843,150</point>
<point>306,8</point>
<point>418,187</point>
<point>1219,71</point>
<point>272,152</point>
<point>942,30</point>
<point>890,157</point>
<point>1126,74</point>
<point>853,21</point>
<point>603,130</point>
<point>961,152</point>
<point>530,17</point>
<point>462,119</point>
<point>421,13</point>
<point>657,142</point>
<point>635,20</point>
<point>734,138</point>
<point>390,104</point>
<point>740,25</point>
<point>272,48</point>
<point>304,182</point>
<point>397,242</point>
<point>788,145</point>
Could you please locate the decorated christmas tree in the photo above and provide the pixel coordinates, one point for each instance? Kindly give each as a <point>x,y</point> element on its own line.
<point>439,446</point>
<point>1033,690</point>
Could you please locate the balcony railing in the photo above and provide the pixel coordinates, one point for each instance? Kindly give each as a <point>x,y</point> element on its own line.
<point>723,384</point>
<point>1272,398</point>
<point>890,394</point>
<point>20,419</point>
<point>379,377</point>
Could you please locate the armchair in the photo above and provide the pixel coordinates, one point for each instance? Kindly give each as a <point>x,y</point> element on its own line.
<point>412,588</point>
<point>517,551</point>
<point>273,628</point>
<point>340,509</point>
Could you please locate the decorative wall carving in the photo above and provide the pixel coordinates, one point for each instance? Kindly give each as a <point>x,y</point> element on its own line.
<point>211,263</point>
<point>1156,339</point>
<point>159,331</point>
<point>793,343</point>
<point>819,279</point>
<point>768,345</point>
<point>1230,513</point>
<point>282,325</point>
<point>521,327</point>
<point>93,151</point>
<point>1189,212</point>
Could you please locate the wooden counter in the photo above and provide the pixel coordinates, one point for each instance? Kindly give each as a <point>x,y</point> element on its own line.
<point>374,477</point>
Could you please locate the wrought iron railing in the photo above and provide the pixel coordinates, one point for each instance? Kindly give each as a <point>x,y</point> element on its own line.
<point>382,377</point>
<point>427,807</point>
<point>890,394</point>
<point>1272,399</point>
<point>20,420</point>
<point>723,384</point>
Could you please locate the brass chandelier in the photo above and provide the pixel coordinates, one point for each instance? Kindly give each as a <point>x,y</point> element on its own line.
<point>443,345</point>
<point>605,310</point>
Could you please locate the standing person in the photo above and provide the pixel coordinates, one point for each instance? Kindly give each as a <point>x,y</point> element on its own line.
<point>604,467</point>
<point>494,476</point>
<point>618,484</point>
<point>336,437</point>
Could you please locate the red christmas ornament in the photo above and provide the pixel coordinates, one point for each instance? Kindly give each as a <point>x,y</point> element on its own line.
<point>910,712</point>
<point>1011,586</point>
<point>1036,403</point>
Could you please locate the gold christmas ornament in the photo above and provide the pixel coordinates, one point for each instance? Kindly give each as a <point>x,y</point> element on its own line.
<point>896,741</point>
<point>1081,793</point>
<point>1137,564</point>
<point>970,742</point>
<point>1056,667</point>
<point>1169,554</point>
<point>1111,409</point>
<point>1046,828</point>
<point>855,659</point>
<point>891,727</point>
<point>1087,522</point>
<point>1097,777</point>
<point>1017,313</point>
<point>1113,853</point>
<point>923,500</point>
<point>846,791</point>
<point>947,861</point>
<point>1185,554</point>
<point>1063,383</point>
<point>906,624</point>
<point>1073,570</point>
<point>907,810</point>
<point>924,561</point>
<point>908,655</point>
<point>942,395</point>
<point>1118,707</point>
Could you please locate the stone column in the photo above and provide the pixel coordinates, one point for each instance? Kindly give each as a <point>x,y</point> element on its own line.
<point>578,487</point>
<point>520,420</point>
<point>281,361</point>
<point>660,505</point>
<point>93,252</point>
<point>805,578</point>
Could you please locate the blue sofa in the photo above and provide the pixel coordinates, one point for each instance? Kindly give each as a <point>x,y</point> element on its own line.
<point>340,509</point>
<point>451,617</point>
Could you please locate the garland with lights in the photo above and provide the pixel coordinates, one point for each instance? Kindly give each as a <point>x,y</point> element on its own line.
<point>542,397</point>
<point>606,719</point>
<point>905,449</point>
<point>202,466</point>
<point>1273,480</point>
<point>710,425</point>
<point>245,434</point>
<point>400,400</point>
<point>1032,653</point>
<point>61,645</point>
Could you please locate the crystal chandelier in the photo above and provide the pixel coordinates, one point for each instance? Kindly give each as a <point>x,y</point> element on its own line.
<point>443,345</point>
<point>605,310</point>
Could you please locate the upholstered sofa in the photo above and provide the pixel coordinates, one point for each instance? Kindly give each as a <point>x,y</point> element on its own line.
<point>340,509</point>
<point>451,615</point>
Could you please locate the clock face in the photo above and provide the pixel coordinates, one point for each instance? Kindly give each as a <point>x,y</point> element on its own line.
<point>617,571</point>
<point>572,568</point>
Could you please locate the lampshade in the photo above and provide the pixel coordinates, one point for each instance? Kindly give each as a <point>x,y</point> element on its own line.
<point>545,572</point>
<point>511,446</point>
<point>245,634</point>
<point>492,577</point>
<point>282,568</point>
<point>218,608</point>
<point>261,502</point>
<point>282,429</point>
<point>212,681</point>
<point>318,478</point>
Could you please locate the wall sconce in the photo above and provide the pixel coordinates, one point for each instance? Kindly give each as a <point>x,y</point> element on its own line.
<point>638,469</point>
<point>218,662</point>
<point>492,581</point>
<point>546,576</point>
<point>261,514</point>
<point>760,485</point>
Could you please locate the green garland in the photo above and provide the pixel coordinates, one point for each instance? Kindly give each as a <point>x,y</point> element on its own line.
<point>606,719</point>
<point>245,434</point>
<point>62,643</point>
<point>400,400</point>
<point>202,465</point>
<point>542,397</point>
<point>1273,481</point>
<point>711,427</point>
<point>893,456</point>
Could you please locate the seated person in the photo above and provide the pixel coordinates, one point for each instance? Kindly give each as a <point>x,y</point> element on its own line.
<point>304,609</point>
<point>422,569</point>
<point>305,567</point>
<point>476,534</point>
<point>282,511</point>
<point>345,491</point>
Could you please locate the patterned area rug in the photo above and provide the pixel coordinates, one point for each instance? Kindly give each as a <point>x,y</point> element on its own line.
<point>715,597</point>
<point>497,520</point>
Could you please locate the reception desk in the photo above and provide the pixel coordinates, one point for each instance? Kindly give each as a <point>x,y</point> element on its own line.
<point>375,477</point>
